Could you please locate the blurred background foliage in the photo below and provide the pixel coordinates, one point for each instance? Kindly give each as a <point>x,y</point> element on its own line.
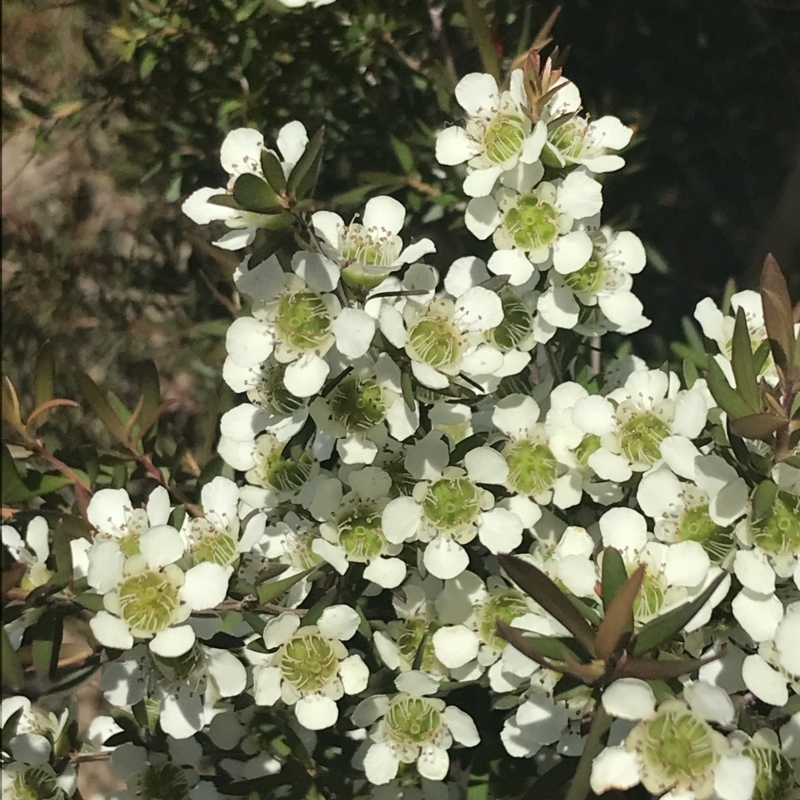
<point>114,111</point>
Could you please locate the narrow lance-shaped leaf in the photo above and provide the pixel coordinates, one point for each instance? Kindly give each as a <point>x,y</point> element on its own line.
<point>662,628</point>
<point>100,405</point>
<point>12,488</point>
<point>757,426</point>
<point>726,396</point>
<point>44,381</point>
<point>764,499</point>
<point>615,576</point>
<point>777,313</point>
<point>303,177</point>
<point>618,618</point>
<point>267,592</point>
<point>47,634</point>
<point>273,171</point>
<point>648,669</point>
<point>11,410</point>
<point>255,194</point>
<point>744,371</point>
<point>535,583</point>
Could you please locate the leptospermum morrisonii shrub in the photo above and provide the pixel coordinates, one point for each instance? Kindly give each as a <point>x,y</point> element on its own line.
<point>450,546</point>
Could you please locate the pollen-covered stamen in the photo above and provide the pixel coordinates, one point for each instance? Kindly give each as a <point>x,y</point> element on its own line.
<point>272,469</point>
<point>435,341</point>
<point>162,782</point>
<point>640,434</point>
<point>299,551</point>
<point>211,544</point>
<point>451,503</point>
<point>516,326</point>
<point>302,320</point>
<point>531,223</point>
<point>503,138</point>
<point>272,394</point>
<point>507,606</point>
<point>415,633</point>
<point>677,748</point>
<point>308,661</point>
<point>413,720</point>
<point>357,404</point>
<point>569,139</point>
<point>589,445</point>
<point>532,467</point>
<point>589,279</point>
<point>369,247</point>
<point>361,535</point>
<point>650,598</point>
<point>695,525</point>
<point>774,773</point>
<point>777,533</point>
<point>148,602</point>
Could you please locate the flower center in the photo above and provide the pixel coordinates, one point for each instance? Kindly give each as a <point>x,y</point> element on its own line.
<point>163,782</point>
<point>451,503</point>
<point>357,404</point>
<point>678,746</point>
<point>778,532</point>
<point>299,550</point>
<point>308,662</point>
<point>532,467</point>
<point>696,525</point>
<point>589,445</point>
<point>640,437</point>
<point>532,223</point>
<point>507,605</point>
<point>272,469</point>
<point>361,535</point>
<point>218,548</point>
<point>435,341</point>
<point>516,326</point>
<point>569,139</point>
<point>410,638</point>
<point>272,394</point>
<point>35,783</point>
<point>371,247</point>
<point>650,598</point>
<point>413,720</point>
<point>589,279</point>
<point>302,320</point>
<point>148,602</point>
<point>503,138</point>
<point>774,775</point>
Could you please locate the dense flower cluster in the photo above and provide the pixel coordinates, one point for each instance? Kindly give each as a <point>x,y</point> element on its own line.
<point>399,426</point>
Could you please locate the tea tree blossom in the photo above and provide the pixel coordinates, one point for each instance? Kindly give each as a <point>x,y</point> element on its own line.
<point>412,728</point>
<point>309,667</point>
<point>33,550</point>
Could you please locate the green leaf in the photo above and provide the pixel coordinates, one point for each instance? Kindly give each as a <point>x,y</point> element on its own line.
<point>539,586</point>
<point>273,171</point>
<point>44,381</point>
<point>303,177</point>
<point>267,592</point>
<point>277,222</point>
<point>13,489</point>
<point>404,155</point>
<point>614,574</point>
<point>91,600</point>
<point>618,619</point>
<point>482,37</point>
<point>407,387</point>
<point>98,402</point>
<point>11,668</point>
<point>757,426</point>
<point>726,396</point>
<point>224,200</point>
<point>764,497</point>
<point>662,628</point>
<point>47,634</point>
<point>744,371</point>
<point>148,64</point>
<point>777,314</point>
<point>648,669</point>
<point>146,374</point>
<point>255,194</point>
<point>62,553</point>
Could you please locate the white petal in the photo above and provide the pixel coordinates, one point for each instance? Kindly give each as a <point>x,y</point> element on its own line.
<point>482,217</point>
<point>461,726</point>
<point>513,263</point>
<point>758,614</point>
<point>181,713</point>
<point>266,685</point>
<point>730,504</point>
<point>615,768</point>
<point>320,273</point>
<point>386,572</point>
<point>241,151</point>
<point>680,455</point>
<point>225,730</point>
<point>735,778</point>
<point>500,530</point>
<point>415,251</point>
<point>206,585</point>
<point>579,195</point>
<point>629,698</point>
<point>354,674</point>
<point>578,574</point>
<point>263,281</point>
<point>161,545</point>
<point>339,622</point>
<point>200,211</point>
<point>433,763</point>
<point>710,702</point>
<point>445,558</point>
<point>623,309</point>
<point>687,564</point>
<point>249,342</point>
<point>400,520</point>
<point>316,712</point>
<point>453,146</point>
<point>559,307</point>
<point>236,239</point>
<point>369,710</point>
<point>478,310</point>
<point>416,682</point>
<point>384,212</point>
<point>610,466</point>
<point>690,414</point>
<point>122,683</point>
<point>111,631</point>
<point>477,94</point>
<point>658,492</point>
<point>28,748</point>
<point>105,566</point>
<point>486,465</point>
<point>226,671</point>
<point>787,640</point>
<point>353,329</point>
<point>381,763</point>
<point>481,182</point>
<point>292,141</point>
<point>594,414</point>
<point>173,642</point>
<point>571,252</point>
<point>306,376</point>
<point>279,629</point>
<point>624,529</point>
<point>455,645</point>
<point>754,571</point>
<point>107,510</point>
<point>765,682</point>
<point>543,719</point>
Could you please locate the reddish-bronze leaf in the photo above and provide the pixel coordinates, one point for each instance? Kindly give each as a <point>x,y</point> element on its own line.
<point>618,618</point>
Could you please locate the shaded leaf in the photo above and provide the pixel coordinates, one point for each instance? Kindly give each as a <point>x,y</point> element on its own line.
<point>13,489</point>
<point>650,669</point>
<point>777,313</point>
<point>757,426</point>
<point>44,381</point>
<point>744,371</point>
<point>618,618</point>
<point>482,37</point>
<point>47,634</point>
<point>267,592</point>
<point>404,155</point>
<point>99,403</point>
<point>303,177</point>
<point>225,200</point>
<point>726,396</point>
<point>11,667</point>
<point>535,583</point>
<point>764,498</point>
<point>614,577</point>
<point>11,410</point>
<point>273,171</point>
<point>255,194</point>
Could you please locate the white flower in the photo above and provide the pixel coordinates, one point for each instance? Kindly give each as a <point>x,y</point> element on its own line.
<point>33,551</point>
<point>309,667</point>
<point>531,225</point>
<point>572,139</point>
<point>301,3</point>
<point>673,747</point>
<point>240,154</point>
<point>36,732</point>
<point>412,728</point>
<point>497,134</point>
<point>539,721</point>
<point>365,253</point>
<point>777,770</point>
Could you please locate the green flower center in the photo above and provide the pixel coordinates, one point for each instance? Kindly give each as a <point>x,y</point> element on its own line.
<point>361,535</point>
<point>532,467</point>
<point>308,662</point>
<point>516,326</point>
<point>589,279</point>
<point>640,437</point>
<point>503,138</point>
<point>650,598</point>
<point>589,445</point>
<point>360,246</point>
<point>451,503</point>
<point>285,474</point>
<point>778,532</point>
<point>218,548</point>
<point>774,774</point>
<point>532,223</point>
<point>507,605</point>
<point>163,782</point>
<point>357,404</point>
<point>148,602</point>
<point>569,139</point>
<point>302,320</point>
<point>410,639</point>
<point>35,783</point>
<point>679,747</point>
<point>300,552</point>
<point>272,394</point>
<point>413,720</point>
<point>697,526</point>
<point>436,342</point>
